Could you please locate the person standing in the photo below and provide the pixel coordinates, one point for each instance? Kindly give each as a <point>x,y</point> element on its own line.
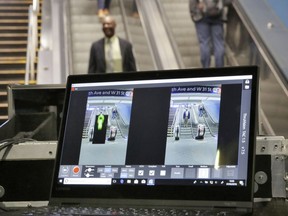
<point>207,16</point>
<point>111,54</point>
<point>186,117</point>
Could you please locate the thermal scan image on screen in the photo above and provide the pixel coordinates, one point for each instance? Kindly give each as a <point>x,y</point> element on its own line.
<point>106,126</point>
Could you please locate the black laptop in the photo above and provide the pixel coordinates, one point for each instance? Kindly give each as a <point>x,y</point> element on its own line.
<point>174,142</point>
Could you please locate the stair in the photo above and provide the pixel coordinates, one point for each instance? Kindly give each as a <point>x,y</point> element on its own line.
<point>13,47</point>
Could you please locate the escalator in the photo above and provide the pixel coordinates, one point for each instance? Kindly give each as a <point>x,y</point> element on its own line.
<point>245,44</point>
<point>164,37</point>
<point>152,47</point>
<point>183,30</point>
<point>137,37</point>
<point>86,28</point>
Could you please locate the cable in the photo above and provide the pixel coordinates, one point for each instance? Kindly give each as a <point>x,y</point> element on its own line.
<point>3,209</point>
<point>18,138</point>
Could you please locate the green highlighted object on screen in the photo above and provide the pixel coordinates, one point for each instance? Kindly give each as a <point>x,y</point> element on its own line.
<point>100,121</point>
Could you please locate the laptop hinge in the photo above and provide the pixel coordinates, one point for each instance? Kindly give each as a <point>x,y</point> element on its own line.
<point>231,209</point>
<point>70,204</point>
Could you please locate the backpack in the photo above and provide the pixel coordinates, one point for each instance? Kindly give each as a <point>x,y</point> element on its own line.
<point>213,8</point>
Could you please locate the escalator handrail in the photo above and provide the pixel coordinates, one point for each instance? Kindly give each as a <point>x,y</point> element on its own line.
<point>125,22</point>
<point>261,46</point>
<point>142,17</point>
<point>67,38</point>
<point>170,35</point>
<point>126,26</point>
<point>159,43</point>
<point>270,61</point>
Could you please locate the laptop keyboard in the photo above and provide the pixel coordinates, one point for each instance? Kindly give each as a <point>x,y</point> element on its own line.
<point>85,211</point>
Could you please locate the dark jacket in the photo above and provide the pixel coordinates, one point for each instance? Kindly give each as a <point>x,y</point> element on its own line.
<point>97,62</point>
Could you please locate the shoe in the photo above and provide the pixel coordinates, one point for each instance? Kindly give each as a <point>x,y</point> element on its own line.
<point>135,15</point>
<point>101,13</point>
<point>106,12</point>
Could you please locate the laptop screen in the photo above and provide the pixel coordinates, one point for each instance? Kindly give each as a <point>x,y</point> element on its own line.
<point>140,135</point>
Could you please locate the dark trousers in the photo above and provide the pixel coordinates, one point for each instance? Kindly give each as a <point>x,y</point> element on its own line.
<point>103,4</point>
<point>211,35</point>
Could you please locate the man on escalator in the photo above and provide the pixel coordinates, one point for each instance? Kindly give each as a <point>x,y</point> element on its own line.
<point>186,117</point>
<point>111,54</point>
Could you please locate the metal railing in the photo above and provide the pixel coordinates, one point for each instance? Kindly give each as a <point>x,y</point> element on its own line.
<point>32,42</point>
<point>170,35</point>
<point>270,73</point>
<point>67,38</point>
<point>154,29</point>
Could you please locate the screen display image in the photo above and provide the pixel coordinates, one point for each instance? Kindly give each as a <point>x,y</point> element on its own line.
<point>193,125</point>
<point>167,132</point>
<point>106,127</point>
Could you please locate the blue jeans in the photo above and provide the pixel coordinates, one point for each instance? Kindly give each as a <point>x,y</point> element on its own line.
<point>211,34</point>
<point>103,4</point>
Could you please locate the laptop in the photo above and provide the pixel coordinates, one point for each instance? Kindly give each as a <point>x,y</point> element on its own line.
<point>173,139</point>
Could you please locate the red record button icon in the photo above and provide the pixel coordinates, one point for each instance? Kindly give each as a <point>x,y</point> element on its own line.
<point>76,169</point>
